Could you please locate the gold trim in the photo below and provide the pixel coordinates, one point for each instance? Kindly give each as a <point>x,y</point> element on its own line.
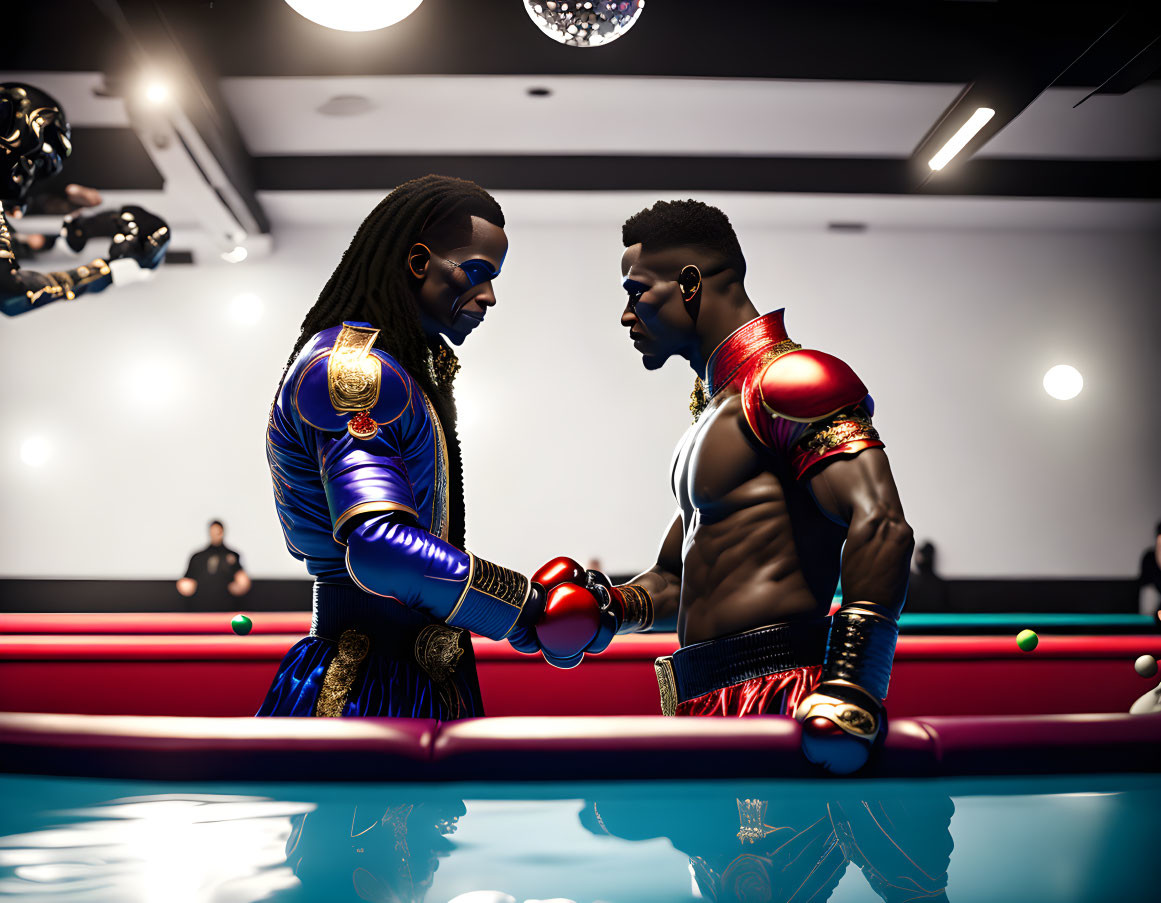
<point>437,650</point>
<point>774,413</point>
<point>666,685</point>
<point>467,586</point>
<point>698,399</point>
<point>441,487</point>
<point>638,606</point>
<point>500,583</point>
<point>752,825</point>
<point>854,609</point>
<point>362,426</point>
<point>360,583</point>
<point>353,373</point>
<point>341,673</point>
<point>842,430</point>
<point>779,349</point>
<point>362,508</point>
<point>298,388</point>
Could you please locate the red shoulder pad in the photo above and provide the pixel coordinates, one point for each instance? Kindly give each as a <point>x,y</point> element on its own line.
<point>808,385</point>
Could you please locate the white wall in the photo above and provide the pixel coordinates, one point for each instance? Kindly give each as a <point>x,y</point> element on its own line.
<point>952,329</point>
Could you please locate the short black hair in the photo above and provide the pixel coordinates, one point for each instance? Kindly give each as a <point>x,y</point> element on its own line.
<point>217,523</point>
<point>690,223</point>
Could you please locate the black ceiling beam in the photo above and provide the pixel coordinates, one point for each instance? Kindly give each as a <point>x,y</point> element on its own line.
<point>985,177</point>
<point>1126,55</point>
<point>1027,57</point>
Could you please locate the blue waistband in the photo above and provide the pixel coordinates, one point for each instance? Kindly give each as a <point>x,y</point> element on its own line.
<point>390,625</point>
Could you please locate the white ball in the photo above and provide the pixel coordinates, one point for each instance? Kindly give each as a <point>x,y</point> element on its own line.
<point>1146,666</point>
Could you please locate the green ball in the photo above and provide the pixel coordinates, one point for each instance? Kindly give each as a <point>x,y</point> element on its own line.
<point>241,625</point>
<point>1027,640</point>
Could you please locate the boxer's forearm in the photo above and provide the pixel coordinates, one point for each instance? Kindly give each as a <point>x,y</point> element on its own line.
<point>876,560</point>
<point>390,555</point>
<point>24,290</point>
<point>664,590</point>
<point>663,581</point>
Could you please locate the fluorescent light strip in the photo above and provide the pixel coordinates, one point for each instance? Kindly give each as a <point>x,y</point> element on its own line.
<point>965,134</point>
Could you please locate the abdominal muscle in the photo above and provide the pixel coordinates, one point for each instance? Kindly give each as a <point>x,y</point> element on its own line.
<point>740,573</point>
<point>741,568</point>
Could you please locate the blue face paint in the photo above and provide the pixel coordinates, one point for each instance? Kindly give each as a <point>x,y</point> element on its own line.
<point>477,271</point>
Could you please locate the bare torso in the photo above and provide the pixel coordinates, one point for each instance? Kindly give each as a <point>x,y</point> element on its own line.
<point>756,548</point>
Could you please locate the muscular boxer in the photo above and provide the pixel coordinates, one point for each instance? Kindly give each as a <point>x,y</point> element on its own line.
<point>781,468</point>
<point>795,847</point>
<point>366,468</point>
<point>34,140</point>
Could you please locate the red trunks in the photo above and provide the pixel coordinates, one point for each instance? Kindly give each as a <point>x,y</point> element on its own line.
<point>774,694</point>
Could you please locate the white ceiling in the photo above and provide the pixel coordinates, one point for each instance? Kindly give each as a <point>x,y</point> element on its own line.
<point>599,115</point>
<point>606,115</point>
<point>589,114</point>
<point>585,114</point>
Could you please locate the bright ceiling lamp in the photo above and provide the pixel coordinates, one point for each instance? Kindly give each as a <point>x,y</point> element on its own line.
<point>35,451</point>
<point>1063,382</point>
<point>965,134</point>
<point>354,15</point>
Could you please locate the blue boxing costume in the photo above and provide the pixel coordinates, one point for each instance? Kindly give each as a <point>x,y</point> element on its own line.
<point>360,469</point>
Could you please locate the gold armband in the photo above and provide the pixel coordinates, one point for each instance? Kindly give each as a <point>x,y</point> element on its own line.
<point>638,607</point>
<point>492,600</point>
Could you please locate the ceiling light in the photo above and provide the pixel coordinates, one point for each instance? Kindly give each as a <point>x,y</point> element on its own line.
<point>157,93</point>
<point>354,15</point>
<point>1063,382</point>
<point>235,256</point>
<point>35,451</point>
<point>150,383</point>
<point>965,134</point>
<point>246,309</point>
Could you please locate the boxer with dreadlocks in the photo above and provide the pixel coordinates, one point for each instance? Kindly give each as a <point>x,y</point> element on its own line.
<point>365,462</point>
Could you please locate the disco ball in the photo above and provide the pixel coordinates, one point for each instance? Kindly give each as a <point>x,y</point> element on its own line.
<point>588,23</point>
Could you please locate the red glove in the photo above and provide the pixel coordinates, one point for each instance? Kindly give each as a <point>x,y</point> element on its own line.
<point>578,615</point>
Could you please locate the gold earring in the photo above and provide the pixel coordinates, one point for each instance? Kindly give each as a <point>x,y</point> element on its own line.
<point>413,256</point>
<point>689,281</point>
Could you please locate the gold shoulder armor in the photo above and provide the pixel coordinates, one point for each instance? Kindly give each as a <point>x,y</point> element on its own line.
<point>353,373</point>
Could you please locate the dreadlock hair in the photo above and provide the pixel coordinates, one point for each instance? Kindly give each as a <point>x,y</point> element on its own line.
<point>678,224</point>
<point>372,283</point>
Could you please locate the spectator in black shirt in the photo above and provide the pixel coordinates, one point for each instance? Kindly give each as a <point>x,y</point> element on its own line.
<point>213,572</point>
<point>1149,580</point>
<point>927,591</point>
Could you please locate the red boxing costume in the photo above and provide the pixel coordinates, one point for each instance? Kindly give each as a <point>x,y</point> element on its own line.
<point>805,406</point>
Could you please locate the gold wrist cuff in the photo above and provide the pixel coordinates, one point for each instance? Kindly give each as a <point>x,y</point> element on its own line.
<point>638,608</point>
